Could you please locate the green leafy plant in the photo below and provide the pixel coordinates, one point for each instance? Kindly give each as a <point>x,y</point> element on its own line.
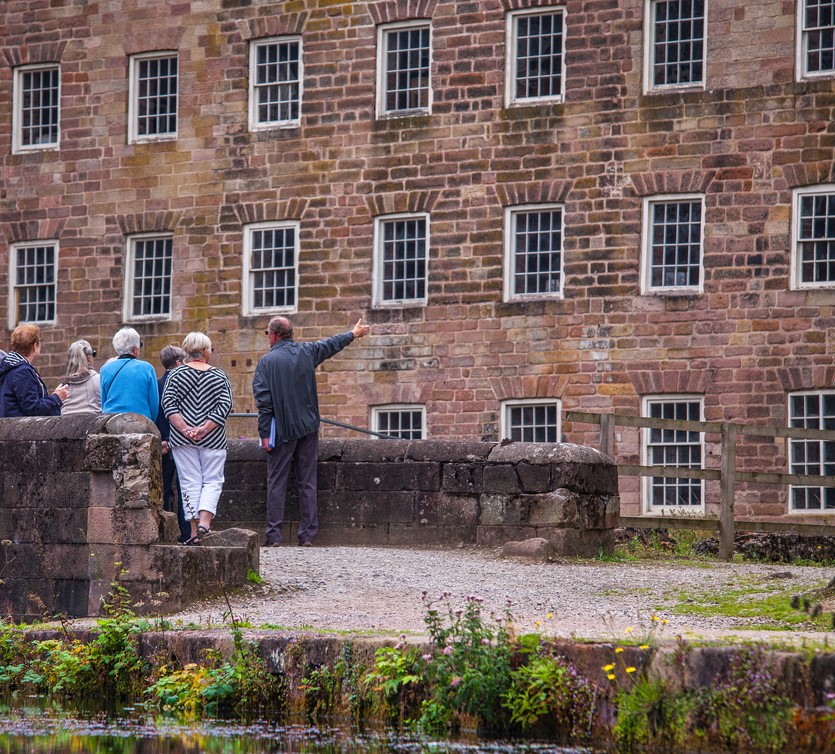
<point>109,665</point>
<point>475,668</point>
<point>651,716</point>
<point>549,687</point>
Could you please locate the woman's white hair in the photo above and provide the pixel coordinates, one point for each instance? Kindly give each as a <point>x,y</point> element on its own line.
<point>195,343</point>
<point>126,340</point>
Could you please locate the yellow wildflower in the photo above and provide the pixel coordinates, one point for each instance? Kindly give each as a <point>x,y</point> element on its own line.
<point>609,668</point>
<point>618,650</point>
<point>628,629</point>
<point>630,669</point>
<point>644,646</point>
<point>611,677</point>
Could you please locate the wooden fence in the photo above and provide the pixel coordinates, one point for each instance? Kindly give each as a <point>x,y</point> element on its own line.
<point>727,475</point>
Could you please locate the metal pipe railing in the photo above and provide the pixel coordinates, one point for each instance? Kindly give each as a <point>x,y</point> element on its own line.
<point>326,421</point>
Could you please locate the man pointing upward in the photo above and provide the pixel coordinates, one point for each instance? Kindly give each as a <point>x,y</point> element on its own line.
<point>284,387</point>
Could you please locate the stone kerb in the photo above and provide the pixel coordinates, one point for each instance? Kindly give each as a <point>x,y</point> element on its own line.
<point>80,505</point>
<point>402,492</point>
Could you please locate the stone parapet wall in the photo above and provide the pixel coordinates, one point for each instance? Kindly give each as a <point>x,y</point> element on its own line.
<point>401,492</point>
<point>80,506</point>
<point>755,133</point>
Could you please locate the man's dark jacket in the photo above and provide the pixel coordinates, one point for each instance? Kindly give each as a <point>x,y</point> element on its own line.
<point>284,386</point>
<point>22,392</point>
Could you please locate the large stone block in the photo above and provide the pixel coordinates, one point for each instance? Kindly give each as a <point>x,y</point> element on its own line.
<point>103,452</point>
<point>582,543</point>
<point>52,525</point>
<point>443,509</point>
<point>28,598</point>
<point>448,451</point>
<point>101,528</point>
<point>71,597</point>
<point>420,534</point>
<point>326,475</point>
<point>355,534</point>
<point>534,477</point>
<point>237,539</point>
<point>558,508</point>
<point>331,450</point>
<point>102,489</point>
<point>21,561</point>
<point>67,562</point>
<point>137,526</point>
<point>360,507</point>
<point>242,505</point>
<point>462,477</point>
<point>495,536</point>
<point>407,476</point>
<point>46,489</point>
<point>374,451</point>
<point>501,478</point>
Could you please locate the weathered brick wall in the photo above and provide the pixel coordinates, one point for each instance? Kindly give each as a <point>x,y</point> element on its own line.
<point>746,141</point>
<point>80,506</point>
<point>430,492</point>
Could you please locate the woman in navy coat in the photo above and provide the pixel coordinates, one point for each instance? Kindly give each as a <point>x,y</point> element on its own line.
<point>22,391</point>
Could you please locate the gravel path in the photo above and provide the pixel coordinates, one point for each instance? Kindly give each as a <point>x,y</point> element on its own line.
<point>378,590</point>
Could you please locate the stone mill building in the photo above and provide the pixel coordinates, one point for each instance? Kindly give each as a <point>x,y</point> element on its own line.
<point>540,207</point>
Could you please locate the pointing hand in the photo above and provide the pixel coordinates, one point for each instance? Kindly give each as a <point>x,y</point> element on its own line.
<point>360,329</point>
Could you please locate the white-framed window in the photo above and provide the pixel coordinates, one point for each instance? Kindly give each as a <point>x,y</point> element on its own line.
<point>812,410</point>
<point>275,82</point>
<point>532,420</point>
<point>270,267</point>
<point>675,34</point>
<point>148,276</point>
<point>536,58</point>
<point>813,237</point>
<point>401,259</point>
<point>33,276</point>
<point>152,104</point>
<point>673,231</point>
<point>404,421</point>
<point>404,64</point>
<point>37,111</point>
<point>533,252</point>
<point>675,448</point>
<point>816,38</point>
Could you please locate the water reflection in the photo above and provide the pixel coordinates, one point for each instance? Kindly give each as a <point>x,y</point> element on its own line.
<point>32,730</point>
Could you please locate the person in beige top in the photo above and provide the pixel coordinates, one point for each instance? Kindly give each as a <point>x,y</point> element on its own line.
<point>83,381</point>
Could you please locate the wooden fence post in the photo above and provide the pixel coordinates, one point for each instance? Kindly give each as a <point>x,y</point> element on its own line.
<point>727,486</point>
<point>607,434</point>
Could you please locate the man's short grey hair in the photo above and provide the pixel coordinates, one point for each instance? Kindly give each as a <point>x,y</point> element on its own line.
<point>126,340</point>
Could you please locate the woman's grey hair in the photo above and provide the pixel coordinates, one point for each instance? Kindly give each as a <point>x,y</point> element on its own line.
<point>126,340</point>
<point>195,343</point>
<point>77,354</point>
<point>170,355</point>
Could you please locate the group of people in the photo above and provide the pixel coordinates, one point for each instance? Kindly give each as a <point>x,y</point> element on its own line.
<point>189,404</point>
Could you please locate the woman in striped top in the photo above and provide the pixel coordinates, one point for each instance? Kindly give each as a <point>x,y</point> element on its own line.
<point>197,399</point>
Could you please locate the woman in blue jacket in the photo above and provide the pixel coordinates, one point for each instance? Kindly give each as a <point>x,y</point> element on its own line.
<point>22,391</point>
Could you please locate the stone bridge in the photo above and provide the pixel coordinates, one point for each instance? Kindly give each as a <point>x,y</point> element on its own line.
<point>80,505</point>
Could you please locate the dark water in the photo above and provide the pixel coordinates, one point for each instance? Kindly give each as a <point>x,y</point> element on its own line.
<point>47,729</point>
